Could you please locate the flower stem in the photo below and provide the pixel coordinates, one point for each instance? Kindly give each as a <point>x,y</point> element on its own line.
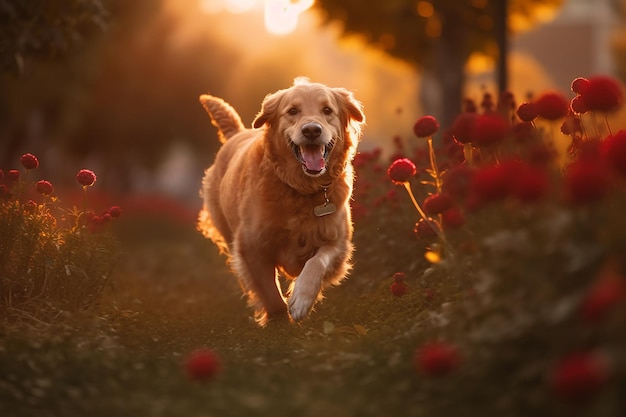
<point>608,126</point>
<point>433,165</point>
<point>469,153</point>
<point>84,199</point>
<point>430,223</point>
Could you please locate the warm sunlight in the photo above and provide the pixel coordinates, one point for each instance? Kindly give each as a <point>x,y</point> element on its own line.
<point>280,16</point>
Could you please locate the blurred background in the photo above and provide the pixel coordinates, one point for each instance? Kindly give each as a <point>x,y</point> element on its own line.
<point>113,85</point>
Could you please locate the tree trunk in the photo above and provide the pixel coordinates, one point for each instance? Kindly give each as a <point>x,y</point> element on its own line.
<point>450,58</point>
<point>501,34</point>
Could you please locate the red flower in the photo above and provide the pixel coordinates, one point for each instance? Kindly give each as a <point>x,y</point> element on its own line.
<point>494,182</point>
<point>463,127</point>
<point>423,229</point>
<point>455,152</point>
<point>401,170</point>
<point>437,358</point>
<point>115,211</point>
<point>453,218</point>
<point>44,187</point>
<point>579,85</point>
<point>523,132</point>
<point>86,178</point>
<point>614,148</point>
<point>437,203</point>
<point>457,181</point>
<point>527,112</point>
<point>399,287</point>
<point>603,94</point>
<point>426,126</point>
<point>202,365</point>
<point>530,184</point>
<point>30,206</point>
<point>541,155</point>
<point>490,129</point>
<point>578,105</point>
<point>586,181</point>
<point>552,106</point>
<point>29,161</point>
<point>13,175</point>
<point>606,293</point>
<point>579,376</point>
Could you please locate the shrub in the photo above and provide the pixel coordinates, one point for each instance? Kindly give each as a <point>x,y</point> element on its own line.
<point>52,259</point>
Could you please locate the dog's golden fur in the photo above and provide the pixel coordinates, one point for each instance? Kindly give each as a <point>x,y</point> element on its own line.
<point>260,194</point>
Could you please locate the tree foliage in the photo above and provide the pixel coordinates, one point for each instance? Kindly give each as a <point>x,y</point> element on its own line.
<point>46,29</point>
<point>411,30</point>
<point>438,36</point>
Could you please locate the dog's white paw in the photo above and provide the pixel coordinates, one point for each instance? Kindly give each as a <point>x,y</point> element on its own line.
<point>301,301</point>
<point>300,306</point>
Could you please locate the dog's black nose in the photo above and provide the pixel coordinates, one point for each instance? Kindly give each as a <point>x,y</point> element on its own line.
<point>312,130</point>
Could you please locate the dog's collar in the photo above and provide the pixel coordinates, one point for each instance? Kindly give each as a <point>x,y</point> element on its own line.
<point>327,207</point>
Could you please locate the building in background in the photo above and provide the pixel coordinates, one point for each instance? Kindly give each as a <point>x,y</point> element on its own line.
<point>578,42</point>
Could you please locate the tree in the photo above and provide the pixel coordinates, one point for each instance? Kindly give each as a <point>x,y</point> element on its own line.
<point>438,36</point>
<point>46,29</point>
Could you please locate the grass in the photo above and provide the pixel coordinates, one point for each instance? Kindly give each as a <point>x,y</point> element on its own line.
<point>171,297</point>
<point>353,356</point>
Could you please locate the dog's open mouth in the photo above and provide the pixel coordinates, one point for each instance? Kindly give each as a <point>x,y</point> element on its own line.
<point>312,157</point>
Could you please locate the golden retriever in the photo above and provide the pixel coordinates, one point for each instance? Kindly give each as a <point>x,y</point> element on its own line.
<point>276,199</point>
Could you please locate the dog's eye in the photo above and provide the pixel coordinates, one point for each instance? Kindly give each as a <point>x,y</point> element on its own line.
<point>327,111</point>
<point>292,111</point>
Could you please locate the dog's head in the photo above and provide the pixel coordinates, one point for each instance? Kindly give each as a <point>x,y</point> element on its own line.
<point>311,128</point>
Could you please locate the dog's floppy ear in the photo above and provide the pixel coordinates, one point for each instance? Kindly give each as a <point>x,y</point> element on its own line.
<point>351,105</point>
<point>352,108</point>
<point>268,109</point>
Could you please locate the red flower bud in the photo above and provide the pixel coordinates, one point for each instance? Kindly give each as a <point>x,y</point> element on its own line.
<point>437,203</point>
<point>426,126</point>
<point>29,161</point>
<point>453,218</point>
<point>614,150</point>
<point>202,365</point>
<point>490,129</point>
<point>399,287</point>
<point>401,170</point>
<point>605,294</point>
<point>603,94</point>
<point>579,85</point>
<point>463,127</point>
<point>44,187</point>
<point>527,112</point>
<point>586,181</point>
<point>579,376</point>
<point>437,358</point>
<point>115,211</point>
<point>552,106</point>
<point>13,175</point>
<point>578,105</point>
<point>86,178</point>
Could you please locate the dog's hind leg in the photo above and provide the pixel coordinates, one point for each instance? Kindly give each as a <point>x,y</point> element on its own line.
<point>260,281</point>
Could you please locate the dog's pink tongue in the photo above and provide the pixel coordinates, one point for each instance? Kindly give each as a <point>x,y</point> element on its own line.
<point>313,158</point>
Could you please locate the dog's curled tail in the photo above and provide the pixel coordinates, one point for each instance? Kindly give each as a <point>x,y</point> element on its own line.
<point>223,116</point>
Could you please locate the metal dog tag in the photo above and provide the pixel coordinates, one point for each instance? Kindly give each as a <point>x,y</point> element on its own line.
<point>324,209</point>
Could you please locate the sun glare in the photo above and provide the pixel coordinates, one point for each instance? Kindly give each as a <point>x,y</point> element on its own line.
<point>280,16</point>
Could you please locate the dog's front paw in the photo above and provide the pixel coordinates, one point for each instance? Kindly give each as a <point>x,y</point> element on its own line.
<point>301,303</point>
